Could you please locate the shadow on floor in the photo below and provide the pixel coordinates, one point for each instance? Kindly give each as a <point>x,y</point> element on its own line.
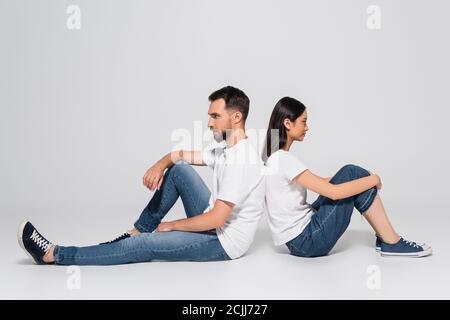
<point>349,239</point>
<point>352,238</point>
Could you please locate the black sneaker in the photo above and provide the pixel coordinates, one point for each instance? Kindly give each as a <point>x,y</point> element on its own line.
<point>119,238</point>
<point>34,244</point>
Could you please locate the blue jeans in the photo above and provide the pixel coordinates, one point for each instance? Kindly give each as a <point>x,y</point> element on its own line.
<point>181,180</point>
<point>332,217</point>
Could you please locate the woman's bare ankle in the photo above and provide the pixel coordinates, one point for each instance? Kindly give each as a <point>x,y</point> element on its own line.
<point>391,239</point>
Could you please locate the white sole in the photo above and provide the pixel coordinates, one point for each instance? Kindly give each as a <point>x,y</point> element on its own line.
<point>19,239</point>
<point>378,249</point>
<point>423,253</point>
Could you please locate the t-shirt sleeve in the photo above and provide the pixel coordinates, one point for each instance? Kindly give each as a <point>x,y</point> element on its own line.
<point>292,166</point>
<point>234,187</point>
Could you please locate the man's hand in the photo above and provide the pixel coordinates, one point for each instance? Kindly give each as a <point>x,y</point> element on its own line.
<point>165,226</point>
<point>379,180</point>
<point>154,176</point>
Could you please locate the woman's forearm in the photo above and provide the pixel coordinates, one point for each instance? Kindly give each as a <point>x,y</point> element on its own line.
<point>354,187</point>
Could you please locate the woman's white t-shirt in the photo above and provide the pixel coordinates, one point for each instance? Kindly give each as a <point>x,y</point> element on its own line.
<point>289,213</point>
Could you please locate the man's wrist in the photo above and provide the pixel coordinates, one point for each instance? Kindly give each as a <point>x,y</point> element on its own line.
<point>174,225</point>
<point>165,162</point>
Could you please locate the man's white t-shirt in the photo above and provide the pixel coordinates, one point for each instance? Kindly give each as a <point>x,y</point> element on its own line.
<point>289,213</point>
<point>238,178</point>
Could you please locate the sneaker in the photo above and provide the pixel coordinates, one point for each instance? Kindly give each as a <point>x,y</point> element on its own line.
<point>32,242</point>
<point>378,243</point>
<point>119,238</point>
<point>405,248</point>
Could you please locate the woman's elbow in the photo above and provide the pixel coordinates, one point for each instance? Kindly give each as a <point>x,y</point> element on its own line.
<point>334,195</point>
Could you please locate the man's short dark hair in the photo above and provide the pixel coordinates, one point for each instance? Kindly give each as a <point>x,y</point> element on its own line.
<point>234,99</point>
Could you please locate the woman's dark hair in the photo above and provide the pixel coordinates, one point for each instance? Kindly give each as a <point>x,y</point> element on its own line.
<point>276,137</point>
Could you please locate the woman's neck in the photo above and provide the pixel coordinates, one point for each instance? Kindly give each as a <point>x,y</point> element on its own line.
<point>288,144</point>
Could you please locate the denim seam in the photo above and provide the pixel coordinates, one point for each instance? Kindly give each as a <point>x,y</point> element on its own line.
<point>161,204</point>
<point>190,246</point>
<point>188,193</point>
<point>327,217</point>
<point>220,254</point>
<point>367,200</point>
<point>140,227</point>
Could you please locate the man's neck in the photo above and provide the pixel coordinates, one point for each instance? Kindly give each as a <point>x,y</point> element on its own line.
<point>235,136</point>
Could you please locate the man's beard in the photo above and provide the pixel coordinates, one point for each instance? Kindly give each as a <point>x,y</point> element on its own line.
<point>220,136</point>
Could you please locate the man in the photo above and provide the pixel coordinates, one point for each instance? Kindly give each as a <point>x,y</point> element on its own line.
<point>220,225</point>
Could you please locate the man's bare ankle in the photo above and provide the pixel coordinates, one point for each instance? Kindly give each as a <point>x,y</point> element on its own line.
<point>134,232</point>
<point>50,256</point>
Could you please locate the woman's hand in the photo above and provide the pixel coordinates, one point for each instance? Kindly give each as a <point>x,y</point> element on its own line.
<point>154,176</point>
<point>379,184</point>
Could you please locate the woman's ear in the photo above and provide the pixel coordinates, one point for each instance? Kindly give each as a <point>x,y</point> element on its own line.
<point>287,123</point>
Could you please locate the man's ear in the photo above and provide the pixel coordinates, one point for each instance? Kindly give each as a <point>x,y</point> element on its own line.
<point>237,117</point>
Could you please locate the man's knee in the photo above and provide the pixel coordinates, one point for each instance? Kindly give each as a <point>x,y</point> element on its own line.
<point>180,168</point>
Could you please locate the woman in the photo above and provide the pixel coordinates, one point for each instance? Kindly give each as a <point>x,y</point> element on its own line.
<point>313,230</point>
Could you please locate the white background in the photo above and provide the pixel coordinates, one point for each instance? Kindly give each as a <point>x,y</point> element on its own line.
<point>84,113</point>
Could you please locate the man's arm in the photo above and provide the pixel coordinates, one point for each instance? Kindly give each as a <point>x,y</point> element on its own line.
<point>201,222</point>
<point>191,157</point>
<point>153,178</point>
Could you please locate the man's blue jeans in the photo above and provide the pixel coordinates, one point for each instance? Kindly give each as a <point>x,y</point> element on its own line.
<point>181,180</point>
<point>332,217</point>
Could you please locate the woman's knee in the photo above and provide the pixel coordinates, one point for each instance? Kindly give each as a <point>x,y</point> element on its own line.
<point>355,170</point>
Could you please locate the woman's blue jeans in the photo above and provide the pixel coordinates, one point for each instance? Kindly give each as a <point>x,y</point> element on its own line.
<point>332,217</point>
<point>181,180</point>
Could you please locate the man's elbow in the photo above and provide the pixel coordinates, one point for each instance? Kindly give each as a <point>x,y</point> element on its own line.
<point>219,223</point>
<point>219,220</point>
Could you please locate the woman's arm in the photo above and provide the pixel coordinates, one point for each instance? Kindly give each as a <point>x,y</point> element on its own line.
<point>335,191</point>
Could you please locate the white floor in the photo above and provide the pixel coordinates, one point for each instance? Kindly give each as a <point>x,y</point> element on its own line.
<point>266,272</point>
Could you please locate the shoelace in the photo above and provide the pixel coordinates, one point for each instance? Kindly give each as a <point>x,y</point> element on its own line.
<point>42,243</point>
<point>411,243</point>
<point>123,236</point>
